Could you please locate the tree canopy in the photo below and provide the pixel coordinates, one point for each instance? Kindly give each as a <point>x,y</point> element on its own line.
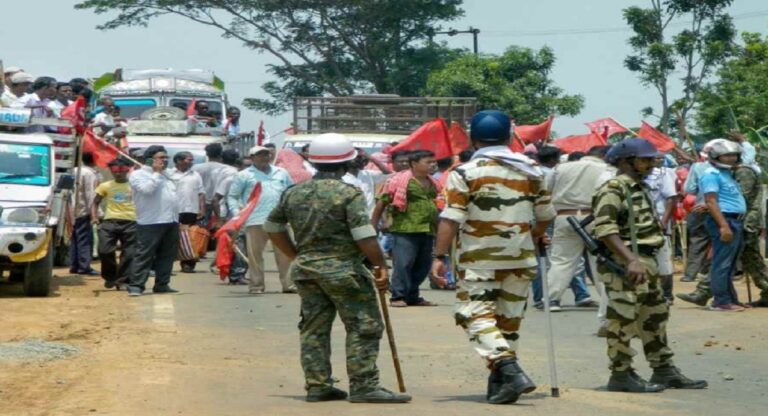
<point>516,81</point>
<point>738,98</point>
<point>695,51</point>
<point>335,47</point>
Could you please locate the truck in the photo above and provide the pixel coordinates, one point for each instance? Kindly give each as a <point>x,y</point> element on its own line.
<point>36,186</point>
<point>372,121</point>
<point>136,91</point>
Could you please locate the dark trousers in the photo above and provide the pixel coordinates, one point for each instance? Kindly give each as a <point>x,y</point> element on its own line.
<point>411,262</point>
<point>156,249</point>
<point>698,245</point>
<point>188,218</point>
<point>81,245</point>
<point>110,233</point>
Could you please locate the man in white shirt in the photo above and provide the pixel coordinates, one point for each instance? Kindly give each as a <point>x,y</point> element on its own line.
<point>81,243</point>
<point>43,89</point>
<point>209,171</point>
<point>366,180</point>
<point>572,186</point>
<point>190,194</point>
<point>157,229</point>
<point>63,99</point>
<point>663,192</point>
<point>18,84</point>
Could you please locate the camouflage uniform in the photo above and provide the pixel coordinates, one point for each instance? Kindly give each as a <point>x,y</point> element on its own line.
<point>751,259</point>
<point>496,204</point>
<point>327,217</point>
<point>633,310</point>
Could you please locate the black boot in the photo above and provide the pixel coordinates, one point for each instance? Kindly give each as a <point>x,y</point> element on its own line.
<point>513,381</point>
<point>631,382</point>
<point>695,297</point>
<point>326,394</point>
<point>670,377</point>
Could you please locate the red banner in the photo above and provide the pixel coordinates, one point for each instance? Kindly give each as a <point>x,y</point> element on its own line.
<point>227,234</point>
<point>103,152</point>
<point>459,138</point>
<point>432,135</point>
<point>294,164</point>
<point>661,141</point>
<point>260,135</point>
<point>535,133</point>
<point>606,127</point>
<point>580,143</point>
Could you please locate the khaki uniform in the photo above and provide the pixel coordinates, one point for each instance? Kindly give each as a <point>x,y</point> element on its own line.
<point>327,217</point>
<point>633,310</point>
<point>496,204</point>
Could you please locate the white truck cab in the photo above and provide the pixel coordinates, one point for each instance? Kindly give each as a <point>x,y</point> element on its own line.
<point>33,200</point>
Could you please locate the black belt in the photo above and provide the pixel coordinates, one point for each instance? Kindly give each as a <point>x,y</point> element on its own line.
<point>649,251</point>
<point>734,216</point>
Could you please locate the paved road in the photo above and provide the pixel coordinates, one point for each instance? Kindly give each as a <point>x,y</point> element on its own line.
<point>215,350</point>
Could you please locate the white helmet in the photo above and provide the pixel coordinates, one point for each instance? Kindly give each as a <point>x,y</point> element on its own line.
<point>331,148</point>
<point>722,147</point>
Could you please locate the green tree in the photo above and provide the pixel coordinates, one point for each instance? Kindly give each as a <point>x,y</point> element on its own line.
<point>516,81</point>
<point>695,51</point>
<point>738,98</point>
<point>335,47</point>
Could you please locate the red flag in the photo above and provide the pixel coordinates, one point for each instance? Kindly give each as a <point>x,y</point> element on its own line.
<point>191,110</point>
<point>581,143</point>
<point>536,132</point>
<point>75,113</point>
<point>516,145</point>
<point>260,135</point>
<point>225,252</point>
<point>459,138</point>
<point>103,152</point>
<point>294,164</point>
<point>432,135</point>
<point>661,141</point>
<point>606,127</point>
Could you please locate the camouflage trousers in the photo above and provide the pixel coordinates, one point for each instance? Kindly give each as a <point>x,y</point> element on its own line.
<point>637,311</point>
<point>490,305</point>
<point>753,264</point>
<point>354,298</point>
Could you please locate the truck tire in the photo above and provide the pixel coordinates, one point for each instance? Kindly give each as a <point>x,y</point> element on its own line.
<point>61,255</point>
<point>164,113</point>
<point>37,281</point>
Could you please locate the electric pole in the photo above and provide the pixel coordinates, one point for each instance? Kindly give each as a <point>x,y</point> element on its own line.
<point>454,32</point>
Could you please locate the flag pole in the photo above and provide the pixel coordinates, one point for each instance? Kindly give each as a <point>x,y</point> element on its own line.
<point>684,133</point>
<point>627,129</point>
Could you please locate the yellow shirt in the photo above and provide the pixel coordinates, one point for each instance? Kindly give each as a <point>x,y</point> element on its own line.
<point>118,200</point>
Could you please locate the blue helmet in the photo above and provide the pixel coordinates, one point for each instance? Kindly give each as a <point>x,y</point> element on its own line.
<point>490,126</point>
<point>632,147</point>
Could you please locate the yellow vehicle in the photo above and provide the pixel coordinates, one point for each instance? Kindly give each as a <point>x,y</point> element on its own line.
<point>35,193</point>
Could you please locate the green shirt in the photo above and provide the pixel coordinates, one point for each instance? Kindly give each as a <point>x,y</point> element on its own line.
<point>327,217</point>
<point>420,216</point>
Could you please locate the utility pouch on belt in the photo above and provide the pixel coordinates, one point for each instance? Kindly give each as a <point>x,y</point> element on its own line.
<point>594,247</point>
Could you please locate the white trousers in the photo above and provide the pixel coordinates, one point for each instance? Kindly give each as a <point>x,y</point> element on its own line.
<point>565,258</point>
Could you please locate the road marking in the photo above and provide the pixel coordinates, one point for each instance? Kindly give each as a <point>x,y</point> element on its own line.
<point>163,312</point>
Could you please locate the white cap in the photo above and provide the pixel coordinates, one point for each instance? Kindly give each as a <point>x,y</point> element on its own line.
<point>12,69</point>
<point>22,77</point>
<point>331,148</point>
<point>257,149</point>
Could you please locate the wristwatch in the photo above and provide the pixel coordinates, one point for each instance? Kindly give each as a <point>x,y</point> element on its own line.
<point>440,257</point>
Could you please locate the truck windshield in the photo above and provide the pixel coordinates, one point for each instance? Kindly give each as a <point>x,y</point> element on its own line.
<point>133,107</point>
<point>25,164</point>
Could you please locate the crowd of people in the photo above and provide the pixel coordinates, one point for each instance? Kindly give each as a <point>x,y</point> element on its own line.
<point>471,223</point>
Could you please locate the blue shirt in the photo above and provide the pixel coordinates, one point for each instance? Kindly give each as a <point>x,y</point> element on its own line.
<point>154,195</point>
<point>273,184</point>
<point>691,185</point>
<point>722,183</point>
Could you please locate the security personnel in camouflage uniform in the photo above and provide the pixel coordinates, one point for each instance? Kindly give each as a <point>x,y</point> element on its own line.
<point>499,201</point>
<point>636,305</point>
<point>333,236</point>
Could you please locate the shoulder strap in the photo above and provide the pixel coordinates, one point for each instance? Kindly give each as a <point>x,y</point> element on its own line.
<point>632,219</point>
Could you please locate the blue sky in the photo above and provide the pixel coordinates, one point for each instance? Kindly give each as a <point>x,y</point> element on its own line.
<point>49,37</point>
